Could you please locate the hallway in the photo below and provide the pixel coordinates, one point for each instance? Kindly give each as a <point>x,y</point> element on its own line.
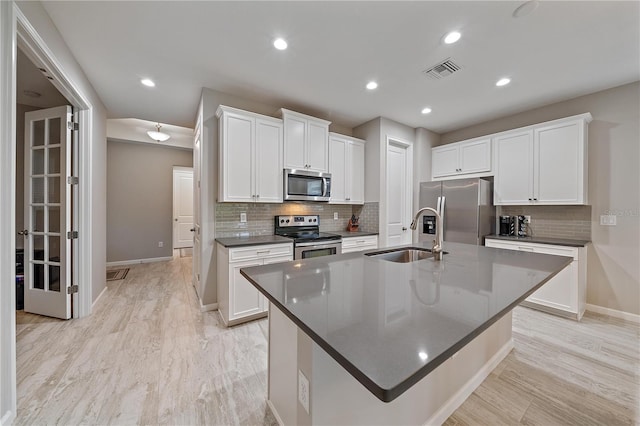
<point>146,356</point>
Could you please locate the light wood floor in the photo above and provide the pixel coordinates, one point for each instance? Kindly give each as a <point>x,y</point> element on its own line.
<point>149,356</point>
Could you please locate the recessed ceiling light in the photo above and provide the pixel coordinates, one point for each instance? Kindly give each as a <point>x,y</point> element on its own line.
<point>503,82</point>
<point>148,82</point>
<point>280,44</point>
<point>372,85</point>
<point>426,110</point>
<point>452,37</point>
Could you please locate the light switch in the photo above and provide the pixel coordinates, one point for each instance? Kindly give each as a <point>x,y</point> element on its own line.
<point>608,220</point>
<point>335,215</point>
<point>243,217</point>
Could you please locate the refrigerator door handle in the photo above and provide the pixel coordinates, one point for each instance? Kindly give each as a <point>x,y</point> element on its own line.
<point>438,206</point>
<point>442,210</point>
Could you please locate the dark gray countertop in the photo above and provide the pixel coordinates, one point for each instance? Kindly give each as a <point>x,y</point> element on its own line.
<point>253,241</point>
<point>542,240</point>
<point>376,317</point>
<point>347,234</point>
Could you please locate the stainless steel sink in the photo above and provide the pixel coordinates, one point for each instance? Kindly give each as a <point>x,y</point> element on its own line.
<point>402,254</point>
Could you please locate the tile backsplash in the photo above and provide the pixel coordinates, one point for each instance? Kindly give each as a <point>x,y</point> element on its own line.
<point>572,222</point>
<point>260,217</point>
<point>368,214</point>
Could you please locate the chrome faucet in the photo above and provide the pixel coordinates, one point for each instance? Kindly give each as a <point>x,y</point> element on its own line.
<point>436,248</point>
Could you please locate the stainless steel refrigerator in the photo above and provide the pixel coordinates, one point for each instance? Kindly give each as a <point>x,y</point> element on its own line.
<point>466,206</point>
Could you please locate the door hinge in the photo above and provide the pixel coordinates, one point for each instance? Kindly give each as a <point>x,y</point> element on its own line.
<point>72,289</point>
<point>72,235</point>
<point>73,180</point>
<point>73,126</point>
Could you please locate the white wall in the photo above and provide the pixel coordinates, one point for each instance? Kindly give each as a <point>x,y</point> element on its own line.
<point>425,140</point>
<point>613,274</point>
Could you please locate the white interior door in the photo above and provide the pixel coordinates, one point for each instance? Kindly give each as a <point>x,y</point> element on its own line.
<point>398,196</point>
<point>182,207</point>
<point>47,212</point>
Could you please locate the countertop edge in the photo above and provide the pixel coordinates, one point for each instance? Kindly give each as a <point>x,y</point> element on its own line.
<point>229,242</point>
<point>388,395</point>
<point>541,240</point>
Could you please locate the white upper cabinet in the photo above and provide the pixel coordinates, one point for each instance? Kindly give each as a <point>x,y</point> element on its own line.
<point>250,157</point>
<point>346,165</point>
<point>462,158</point>
<point>306,142</point>
<point>545,164</point>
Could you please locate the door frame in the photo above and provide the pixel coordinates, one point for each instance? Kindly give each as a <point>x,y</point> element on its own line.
<point>15,29</point>
<point>178,169</point>
<point>384,205</point>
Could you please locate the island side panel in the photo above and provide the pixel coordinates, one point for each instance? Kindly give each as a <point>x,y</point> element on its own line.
<point>283,367</point>
<point>337,398</point>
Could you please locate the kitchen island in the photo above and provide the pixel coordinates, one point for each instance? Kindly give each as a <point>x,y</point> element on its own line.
<point>355,339</point>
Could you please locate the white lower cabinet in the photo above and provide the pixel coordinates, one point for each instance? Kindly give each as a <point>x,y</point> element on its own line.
<point>353,244</point>
<point>238,299</point>
<point>564,294</point>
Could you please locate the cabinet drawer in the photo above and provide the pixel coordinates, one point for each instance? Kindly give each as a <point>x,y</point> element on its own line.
<point>258,252</point>
<point>353,242</point>
<point>535,248</point>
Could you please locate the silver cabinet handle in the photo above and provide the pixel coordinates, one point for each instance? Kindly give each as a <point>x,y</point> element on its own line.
<point>25,232</point>
<point>404,229</point>
<point>264,252</point>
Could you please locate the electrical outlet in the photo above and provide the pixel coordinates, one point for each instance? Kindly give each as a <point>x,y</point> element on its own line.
<point>160,244</point>
<point>335,215</point>
<point>303,391</point>
<point>527,219</point>
<point>608,220</point>
<point>243,217</point>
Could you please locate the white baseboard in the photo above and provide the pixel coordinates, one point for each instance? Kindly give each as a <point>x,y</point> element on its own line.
<point>207,308</point>
<point>449,407</point>
<point>275,413</point>
<point>614,313</point>
<point>137,261</point>
<point>93,305</point>
<point>7,418</point>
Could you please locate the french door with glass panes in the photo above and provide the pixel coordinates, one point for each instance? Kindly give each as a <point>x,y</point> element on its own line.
<point>47,212</point>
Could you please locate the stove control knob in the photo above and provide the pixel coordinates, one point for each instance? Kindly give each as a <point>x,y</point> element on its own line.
<point>287,220</point>
<point>281,220</point>
<point>315,220</point>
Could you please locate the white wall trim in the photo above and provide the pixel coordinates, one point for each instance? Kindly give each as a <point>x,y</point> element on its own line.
<point>104,290</point>
<point>36,49</point>
<point>209,307</point>
<point>137,261</point>
<point>627,316</point>
<point>465,391</point>
<point>8,390</point>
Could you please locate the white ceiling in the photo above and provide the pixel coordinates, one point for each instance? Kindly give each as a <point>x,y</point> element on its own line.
<point>31,79</point>
<point>560,51</point>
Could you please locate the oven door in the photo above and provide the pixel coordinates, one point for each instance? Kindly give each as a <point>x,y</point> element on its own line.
<point>313,249</point>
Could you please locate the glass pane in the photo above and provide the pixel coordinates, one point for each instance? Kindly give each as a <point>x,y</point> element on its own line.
<point>54,190</point>
<point>54,161</point>
<point>54,249</point>
<point>54,131</point>
<point>38,133</point>
<point>54,278</point>
<point>38,276</point>
<point>54,219</point>
<point>38,190</point>
<point>38,247</point>
<point>38,219</point>
<point>37,164</point>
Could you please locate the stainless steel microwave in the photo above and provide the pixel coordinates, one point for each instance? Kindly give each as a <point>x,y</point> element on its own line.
<point>304,185</point>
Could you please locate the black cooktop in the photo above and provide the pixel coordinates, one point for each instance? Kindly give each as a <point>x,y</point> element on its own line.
<point>303,236</point>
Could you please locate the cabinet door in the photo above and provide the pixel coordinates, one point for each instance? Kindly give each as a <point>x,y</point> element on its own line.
<point>475,157</point>
<point>560,292</point>
<point>356,181</point>
<point>444,161</point>
<point>338,169</point>
<point>318,147</point>
<point>244,298</point>
<point>268,261</point>
<point>513,168</point>
<point>295,137</point>
<point>268,161</point>
<point>559,164</point>
<point>237,158</point>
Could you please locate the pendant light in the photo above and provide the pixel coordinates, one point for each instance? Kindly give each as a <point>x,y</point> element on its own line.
<point>158,135</point>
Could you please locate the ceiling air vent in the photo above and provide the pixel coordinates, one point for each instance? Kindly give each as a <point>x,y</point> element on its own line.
<point>443,69</point>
